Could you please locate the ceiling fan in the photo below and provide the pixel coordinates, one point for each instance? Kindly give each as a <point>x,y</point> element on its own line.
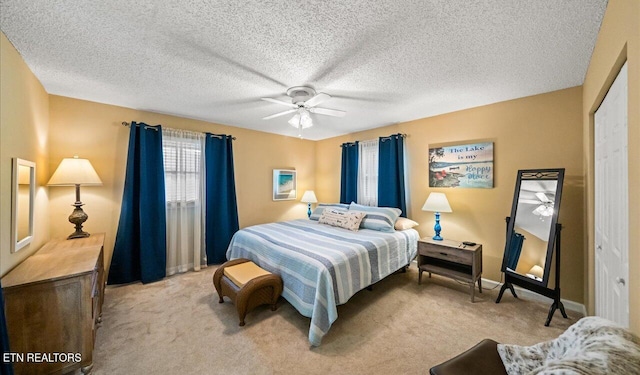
<point>545,205</point>
<point>303,102</point>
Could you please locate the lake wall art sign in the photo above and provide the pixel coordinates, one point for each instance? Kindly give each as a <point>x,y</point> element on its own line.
<point>463,166</point>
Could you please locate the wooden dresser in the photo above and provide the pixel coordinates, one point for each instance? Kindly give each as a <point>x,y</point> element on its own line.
<point>53,303</point>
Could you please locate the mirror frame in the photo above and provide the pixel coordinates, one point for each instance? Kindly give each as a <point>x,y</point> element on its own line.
<point>17,243</point>
<point>535,175</point>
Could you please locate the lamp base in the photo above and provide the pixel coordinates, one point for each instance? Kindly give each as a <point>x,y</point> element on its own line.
<point>308,210</point>
<point>76,234</point>
<point>77,217</point>
<point>437,228</point>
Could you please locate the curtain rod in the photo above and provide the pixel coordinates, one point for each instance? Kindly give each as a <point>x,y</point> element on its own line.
<point>401,135</point>
<point>349,144</point>
<point>127,124</point>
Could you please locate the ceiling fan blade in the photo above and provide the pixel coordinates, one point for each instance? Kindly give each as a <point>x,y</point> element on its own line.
<point>529,201</point>
<point>317,99</point>
<point>543,197</point>
<point>279,114</point>
<point>280,102</point>
<point>328,112</point>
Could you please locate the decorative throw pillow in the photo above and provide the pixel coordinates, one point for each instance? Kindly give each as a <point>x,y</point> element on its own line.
<point>403,223</point>
<point>378,218</point>
<point>322,206</point>
<point>342,219</point>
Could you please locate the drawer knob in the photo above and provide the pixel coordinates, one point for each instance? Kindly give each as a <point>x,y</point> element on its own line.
<point>445,254</point>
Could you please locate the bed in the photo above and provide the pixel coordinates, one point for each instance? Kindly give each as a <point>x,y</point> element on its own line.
<point>323,266</point>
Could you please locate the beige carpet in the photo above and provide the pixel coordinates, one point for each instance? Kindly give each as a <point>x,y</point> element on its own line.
<point>177,326</point>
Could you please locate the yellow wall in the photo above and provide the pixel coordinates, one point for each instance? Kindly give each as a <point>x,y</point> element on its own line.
<point>94,131</point>
<point>24,123</point>
<point>618,41</point>
<point>542,131</point>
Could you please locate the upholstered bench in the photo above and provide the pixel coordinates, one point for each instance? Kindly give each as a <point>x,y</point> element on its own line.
<point>247,285</point>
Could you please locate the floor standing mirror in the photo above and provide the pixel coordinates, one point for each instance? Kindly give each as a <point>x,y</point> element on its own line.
<point>533,236</point>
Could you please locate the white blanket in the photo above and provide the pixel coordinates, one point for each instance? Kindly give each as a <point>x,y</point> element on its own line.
<point>593,345</point>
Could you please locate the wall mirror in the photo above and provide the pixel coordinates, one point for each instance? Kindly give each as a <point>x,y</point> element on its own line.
<point>533,235</point>
<point>23,199</point>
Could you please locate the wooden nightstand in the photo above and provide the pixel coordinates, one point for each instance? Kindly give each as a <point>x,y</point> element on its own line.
<point>451,259</point>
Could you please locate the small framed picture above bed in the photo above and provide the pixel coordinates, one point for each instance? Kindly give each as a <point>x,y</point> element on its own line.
<point>284,184</point>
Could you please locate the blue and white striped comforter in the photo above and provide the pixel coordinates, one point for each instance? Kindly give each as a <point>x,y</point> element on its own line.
<point>323,266</point>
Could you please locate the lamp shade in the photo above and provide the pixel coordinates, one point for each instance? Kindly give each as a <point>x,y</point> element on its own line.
<point>536,271</point>
<point>74,171</point>
<point>437,202</point>
<point>309,197</point>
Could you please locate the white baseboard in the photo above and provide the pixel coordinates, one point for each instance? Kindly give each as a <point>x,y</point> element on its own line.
<point>569,305</point>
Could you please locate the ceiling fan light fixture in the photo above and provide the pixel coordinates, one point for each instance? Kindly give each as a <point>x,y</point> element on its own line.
<point>543,210</point>
<point>302,119</point>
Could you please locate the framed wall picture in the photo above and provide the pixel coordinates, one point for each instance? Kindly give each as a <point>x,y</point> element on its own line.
<point>465,166</point>
<point>284,184</point>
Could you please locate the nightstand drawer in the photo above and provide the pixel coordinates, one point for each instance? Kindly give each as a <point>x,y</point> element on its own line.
<point>446,253</point>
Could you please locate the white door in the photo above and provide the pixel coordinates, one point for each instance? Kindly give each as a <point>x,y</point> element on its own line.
<point>612,204</point>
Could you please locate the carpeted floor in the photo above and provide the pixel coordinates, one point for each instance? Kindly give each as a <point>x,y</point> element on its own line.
<point>177,326</point>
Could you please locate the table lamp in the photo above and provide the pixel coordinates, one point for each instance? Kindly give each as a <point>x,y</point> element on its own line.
<point>536,272</point>
<point>70,172</point>
<point>309,197</point>
<point>437,202</point>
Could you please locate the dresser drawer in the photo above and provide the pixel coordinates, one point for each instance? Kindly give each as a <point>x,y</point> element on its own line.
<point>446,253</point>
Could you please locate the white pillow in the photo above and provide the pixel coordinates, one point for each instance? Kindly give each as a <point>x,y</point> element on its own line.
<point>342,219</point>
<point>403,223</point>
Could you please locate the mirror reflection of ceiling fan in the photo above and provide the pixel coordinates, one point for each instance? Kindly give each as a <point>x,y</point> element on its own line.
<point>545,205</point>
<point>303,102</point>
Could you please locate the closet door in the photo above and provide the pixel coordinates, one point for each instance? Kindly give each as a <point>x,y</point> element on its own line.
<point>612,204</point>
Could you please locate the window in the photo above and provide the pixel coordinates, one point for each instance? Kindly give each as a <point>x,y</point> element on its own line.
<point>182,166</point>
<point>368,173</point>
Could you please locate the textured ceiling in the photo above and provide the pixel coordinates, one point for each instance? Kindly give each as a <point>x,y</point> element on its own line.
<point>382,61</point>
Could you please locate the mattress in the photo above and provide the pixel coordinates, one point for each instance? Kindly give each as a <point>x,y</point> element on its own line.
<point>323,266</point>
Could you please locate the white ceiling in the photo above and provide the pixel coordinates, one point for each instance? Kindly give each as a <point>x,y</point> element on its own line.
<point>383,61</point>
<point>539,226</point>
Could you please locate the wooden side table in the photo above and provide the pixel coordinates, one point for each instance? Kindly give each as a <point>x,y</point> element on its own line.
<point>451,259</point>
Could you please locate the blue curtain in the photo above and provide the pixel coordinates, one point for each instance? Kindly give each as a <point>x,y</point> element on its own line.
<point>349,173</point>
<point>391,191</point>
<point>515,248</point>
<point>221,205</point>
<point>140,248</point>
<point>6,368</point>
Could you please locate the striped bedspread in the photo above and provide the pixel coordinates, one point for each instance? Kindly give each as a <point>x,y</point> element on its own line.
<point>323,266</point>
